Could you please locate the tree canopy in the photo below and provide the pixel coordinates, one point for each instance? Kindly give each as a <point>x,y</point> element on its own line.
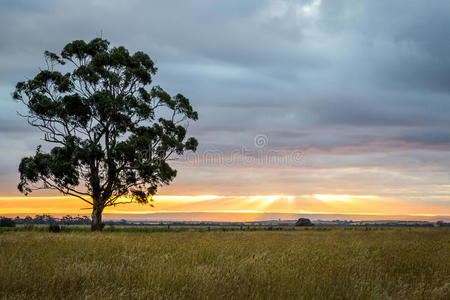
<point>111,132</point>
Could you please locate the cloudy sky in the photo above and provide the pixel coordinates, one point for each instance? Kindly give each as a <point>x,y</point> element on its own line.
<point>305,106</point>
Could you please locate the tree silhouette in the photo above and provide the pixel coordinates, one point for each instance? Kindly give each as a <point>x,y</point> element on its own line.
<point>304,222</point>
<point>111,132</point>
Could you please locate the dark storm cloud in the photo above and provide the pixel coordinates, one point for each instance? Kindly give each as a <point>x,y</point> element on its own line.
<point>333,76</point>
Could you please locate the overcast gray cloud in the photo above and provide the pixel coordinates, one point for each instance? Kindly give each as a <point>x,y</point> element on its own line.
<point>351,83</point>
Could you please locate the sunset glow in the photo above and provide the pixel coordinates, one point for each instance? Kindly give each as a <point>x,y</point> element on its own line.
<point>242,206</point>
<point>339,198</point>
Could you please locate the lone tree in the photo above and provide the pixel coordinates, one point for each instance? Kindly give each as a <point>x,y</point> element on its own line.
<point>112,133</point>
<point>304,222</point>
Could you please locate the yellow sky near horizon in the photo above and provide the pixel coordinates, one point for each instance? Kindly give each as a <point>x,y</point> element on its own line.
<point>315,203</point>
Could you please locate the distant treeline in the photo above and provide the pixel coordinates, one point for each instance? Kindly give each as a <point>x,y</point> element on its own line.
<point>44,220</point>
<point>49,220</point>
<point>85,220</point>
<point>442,224</point>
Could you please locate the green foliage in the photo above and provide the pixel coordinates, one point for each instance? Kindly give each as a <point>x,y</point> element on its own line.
<point>112,133</point>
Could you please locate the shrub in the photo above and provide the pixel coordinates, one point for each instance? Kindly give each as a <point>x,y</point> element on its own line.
<point>54,228</point>
<point>304,222</point>
<point>7,222</point>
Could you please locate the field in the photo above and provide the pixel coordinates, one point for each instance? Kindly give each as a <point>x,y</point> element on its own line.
<point>398,263</point>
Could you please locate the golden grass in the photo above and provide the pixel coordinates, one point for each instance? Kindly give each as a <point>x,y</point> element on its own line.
<point>401,263</point>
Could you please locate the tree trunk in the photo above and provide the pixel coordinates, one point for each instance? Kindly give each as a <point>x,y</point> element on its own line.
<point>97,224</point>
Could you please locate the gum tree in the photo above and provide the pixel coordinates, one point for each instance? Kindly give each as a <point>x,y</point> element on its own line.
<point>111,133</point>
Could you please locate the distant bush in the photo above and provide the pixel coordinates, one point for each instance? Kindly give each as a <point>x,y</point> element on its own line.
<point>7,222</point>
<point>304,222</point>
<point>54,228</point>
<point>442,224</point>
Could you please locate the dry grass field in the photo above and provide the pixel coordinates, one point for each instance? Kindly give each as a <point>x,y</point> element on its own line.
<point>399,263</point>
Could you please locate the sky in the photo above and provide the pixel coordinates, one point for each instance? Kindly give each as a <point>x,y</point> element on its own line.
<point>337,107</point>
